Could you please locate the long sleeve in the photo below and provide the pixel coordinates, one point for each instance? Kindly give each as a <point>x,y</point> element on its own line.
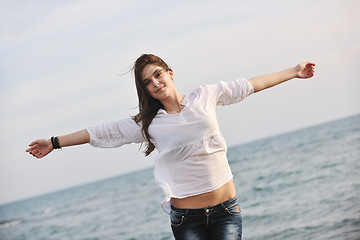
<point>226,93</point>
<point>115,134</point>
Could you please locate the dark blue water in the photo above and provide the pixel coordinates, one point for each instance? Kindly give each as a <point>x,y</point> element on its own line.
<point>300,185</point>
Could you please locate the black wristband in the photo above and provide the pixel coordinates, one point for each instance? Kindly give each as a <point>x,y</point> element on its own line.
<point>55,142</point>
<point>52,142</point>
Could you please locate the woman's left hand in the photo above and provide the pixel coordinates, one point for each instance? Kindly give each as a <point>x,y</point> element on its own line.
<point>305,70</point>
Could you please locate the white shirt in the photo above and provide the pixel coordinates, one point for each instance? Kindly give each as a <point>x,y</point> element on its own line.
<point>192,152</point>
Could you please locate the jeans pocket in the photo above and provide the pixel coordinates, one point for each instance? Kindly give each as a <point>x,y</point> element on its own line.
<point>176,219</point>
<point>234,209</point>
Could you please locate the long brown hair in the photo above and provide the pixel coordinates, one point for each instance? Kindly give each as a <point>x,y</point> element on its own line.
<point>148,106</point>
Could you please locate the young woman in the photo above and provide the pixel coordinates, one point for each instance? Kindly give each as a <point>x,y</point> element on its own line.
<point>191,166</point>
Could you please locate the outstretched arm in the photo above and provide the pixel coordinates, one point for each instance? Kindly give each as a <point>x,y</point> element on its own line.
<point>42,147</point>
<point>302,70</point>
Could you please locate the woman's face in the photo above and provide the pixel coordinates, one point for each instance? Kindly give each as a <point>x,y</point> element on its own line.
<point>158,81</point>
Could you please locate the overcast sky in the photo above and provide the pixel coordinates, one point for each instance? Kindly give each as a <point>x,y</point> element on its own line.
<point>61,66</point>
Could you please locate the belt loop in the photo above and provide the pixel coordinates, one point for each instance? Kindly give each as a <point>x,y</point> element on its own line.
<point>223,205</point>
<point>186,212</point>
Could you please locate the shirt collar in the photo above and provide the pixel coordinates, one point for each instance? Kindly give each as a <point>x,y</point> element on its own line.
<point>184,102</point>
<point>162,111</point>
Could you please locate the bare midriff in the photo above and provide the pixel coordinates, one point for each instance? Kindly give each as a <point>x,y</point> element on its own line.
<point>222,194</point>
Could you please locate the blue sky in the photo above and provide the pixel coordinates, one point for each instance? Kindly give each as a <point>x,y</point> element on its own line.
<point>61,66</point>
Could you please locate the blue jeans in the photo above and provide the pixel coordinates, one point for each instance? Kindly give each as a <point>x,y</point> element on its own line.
<point>220,222</point>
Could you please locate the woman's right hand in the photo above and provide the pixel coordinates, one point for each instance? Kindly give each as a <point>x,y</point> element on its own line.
<point>40,148</point>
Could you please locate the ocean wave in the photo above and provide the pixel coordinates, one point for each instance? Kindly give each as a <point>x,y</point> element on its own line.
<point>9,223</point>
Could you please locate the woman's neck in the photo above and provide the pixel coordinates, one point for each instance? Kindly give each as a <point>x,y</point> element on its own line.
<point>172,104</point>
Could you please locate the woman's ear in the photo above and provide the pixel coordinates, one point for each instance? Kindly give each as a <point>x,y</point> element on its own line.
<point>171,74</point>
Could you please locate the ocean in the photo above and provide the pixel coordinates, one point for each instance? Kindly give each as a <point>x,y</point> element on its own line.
<point>300,185</point>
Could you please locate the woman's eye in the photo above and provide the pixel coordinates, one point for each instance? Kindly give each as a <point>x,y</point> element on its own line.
<point>146,83</point>
<point>158,74</point>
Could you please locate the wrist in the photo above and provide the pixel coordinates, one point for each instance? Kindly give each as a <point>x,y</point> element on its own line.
<point>55,142</point>
<point>48,142</point>
<point>293,72</point>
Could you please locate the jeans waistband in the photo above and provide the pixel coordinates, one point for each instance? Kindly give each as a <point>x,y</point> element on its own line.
<point>207,210</point>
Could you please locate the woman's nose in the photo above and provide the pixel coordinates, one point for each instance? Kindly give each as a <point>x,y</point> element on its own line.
<point>156,82</point>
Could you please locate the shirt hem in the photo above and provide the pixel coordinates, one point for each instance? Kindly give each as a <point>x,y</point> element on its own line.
<point>166,205</point>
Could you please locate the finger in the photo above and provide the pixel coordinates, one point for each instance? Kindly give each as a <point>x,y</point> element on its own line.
<point>37,154</point>
<point>31,153</point>
<point>34,152</point>
<point>33,143</point>
<point>309,65</point>
<point>32,148</point>
<point>28,150</point>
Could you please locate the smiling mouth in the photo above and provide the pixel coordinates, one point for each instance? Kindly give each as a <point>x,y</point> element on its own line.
<point>159,89</point>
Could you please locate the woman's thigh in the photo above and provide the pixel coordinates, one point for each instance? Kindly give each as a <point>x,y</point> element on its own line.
<point>188,227</point>
<point>227,228</point>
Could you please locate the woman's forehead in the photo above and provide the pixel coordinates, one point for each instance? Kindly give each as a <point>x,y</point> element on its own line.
<point>149,70</point>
